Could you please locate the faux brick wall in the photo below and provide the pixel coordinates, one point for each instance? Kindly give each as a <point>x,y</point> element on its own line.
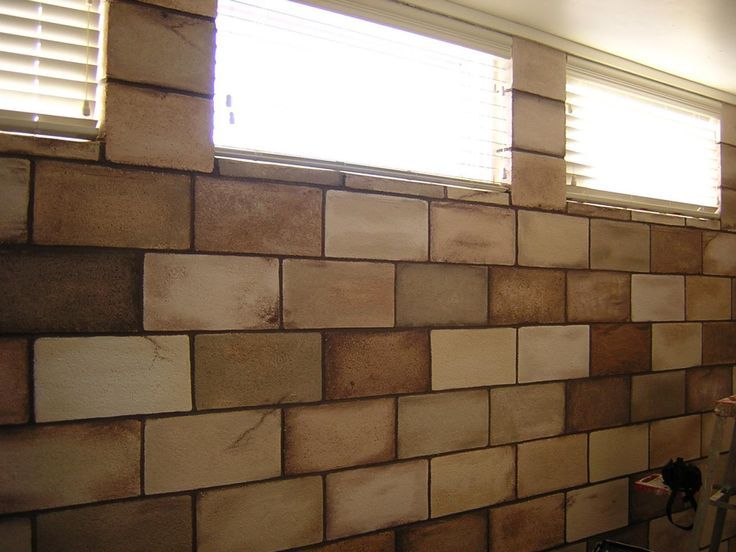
<point>242,356</point>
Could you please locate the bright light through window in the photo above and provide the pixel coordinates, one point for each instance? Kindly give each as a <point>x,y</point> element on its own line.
<point>299,81</point>
<point>627,142</point>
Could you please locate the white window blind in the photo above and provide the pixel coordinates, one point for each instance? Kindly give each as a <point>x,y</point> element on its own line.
<point>630,146</point>
<point>298,81</point>
<point>49,52</point>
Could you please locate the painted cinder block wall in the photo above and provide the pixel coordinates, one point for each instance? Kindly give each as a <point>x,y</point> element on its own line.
<point>221,355</point>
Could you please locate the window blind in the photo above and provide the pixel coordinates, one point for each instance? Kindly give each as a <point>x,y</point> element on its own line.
<point>630,146</point>
<point>49,51</point>
<point>306,83</point>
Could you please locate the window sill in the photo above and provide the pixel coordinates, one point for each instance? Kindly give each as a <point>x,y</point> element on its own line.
<point>26,144</point>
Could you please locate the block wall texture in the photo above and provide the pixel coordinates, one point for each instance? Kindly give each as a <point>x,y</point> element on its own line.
<point>228,355</point>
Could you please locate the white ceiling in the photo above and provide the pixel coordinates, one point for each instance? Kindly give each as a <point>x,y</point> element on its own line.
<point>693,39</point>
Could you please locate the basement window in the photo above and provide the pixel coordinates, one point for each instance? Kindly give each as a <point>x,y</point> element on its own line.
<point>49,53</point>
<point>636,143</point>
<point>299,84</point>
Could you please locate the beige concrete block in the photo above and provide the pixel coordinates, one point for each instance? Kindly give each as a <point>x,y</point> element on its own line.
<point>728,124</point>
<point>49,466</point>
<point>706,224</point>
<point>159,129</point>
<point>597,211</point>
<point>338,435</point>
<point>393,185</point>
<point>442,422</point>
<point>547,239</point>
<point>261,517</point>
<point>257,369</point>
<point>15,535</point>
<point>538,124</point>
<point>719,253</point>
<point>676,346</point>
<point>259,170</point>
<point>552,464</point>
<point>658,218</point>
<point>151,46</point>
<point>209,292</point>
<point>616,245</point>
<point>728,166</point>
<point>597,509</point>
<point>367,499</point>
<point>706,433</point>
<point>511,424</point>
<point>618,451</point>
<point>61,148</point>
<point>466,233</point>
<point>376,227</point>
<point>473,358</point>
<point>93,377</point>
<point>324,294</point>
<point>672,438</point>
<point>188,452</point>
<point>15,182</point>
<point>708,298</point>
<point>538,181</point>
<point>538,69</point>
<point>478,196</point>
<point>200,7</point>
<point>665,536</point>
<point>657,395</point>
<point>76,204</point>
<point>470,480</point>
<point>553,352</point>
<point>728,209</point>
<point>657,298</point>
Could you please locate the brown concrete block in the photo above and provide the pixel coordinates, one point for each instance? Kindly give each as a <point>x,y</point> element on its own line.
<point>14,380</point>
<point>60,465</point>
<point>151,524</point>
<point>328,294</point>
<point>620,349</point>
<point>597,508</point>
<point>393,185</point>
<point>538,181</point>
<point>77,204</point>
<point>552,464</point>
<point>547,239</point>
<point>362,364</point>
<point>259,170</point>
<point>510,424</point>
<point>468,532</point>
<point>719,342</point>
<point>467,233</point>
<point>435,294</point>
<point>553,352</point>
<point>538,124</point>
<point>325,437</point>
<point>378,542</point>
<point>537,524</point>
<point>15,183</point>
<point>158,129</point>
<point>672,438</point>
<point>618,451</point>
<point>153,46</point>
<point>257,369</point>
<point>526,295</point>
<point>618,245</point>
<point>719,253</point>
<point>676,346</point>
<point>708,298</point>
<point>657,396</point>
<point>676,250</point>
<point>16,534</point>
<point>707,385</point>
<point>657,298</point>
<point>55,291</point>
<point>597,403</point>
<point>598,296</point>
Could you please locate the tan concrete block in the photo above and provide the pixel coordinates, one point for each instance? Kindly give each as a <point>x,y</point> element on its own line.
<point>538,124</point>
<point>657,298</point>
<point>470,480</point>
<point>15,183</point>
<point>442,422</point>
<point>511,424</point>
<point>59,465</point>
<point>188,452</point>
<point>325,437</point>
<point>259,170</point>
<point>61,148</point>
<point>597,211</point>
<point>77,204</point>
<point>704,224</point>
<point>665,536</point>
<point>547,239</point>
<point>393,185</point>
<point>657,396</point>
<point>708,298</point>
<point>728,166</point>
<point>552,464</point>
<point>210,292</point>
<point>15,535</point>
<point>473,358</point>
<point>728,124</point>
<point>676,250</point>
<point>598,296</point>
<point>597,509</point>
<point>618,451</point>
<point>538,181</point>
<point>526,295</point>
<point>616,245</point>
<point>324,294</point>
<point>159,129</point>
<point>93,377</point>
<point>537,524</point>
<point>706,433</point>
<point>672,438</point>
<point>371,226</point>
<point>466,532</point>
<point>152,46</point>
<point>728,209</point>
<point>553,352</point>
<point>719,253</point>
<point>257,369</point>
<point>478,196</point>
<point>466,233</point>
<point>261,517</point>
<point>257,217</point>
<point>14,381</point>
<point>538,69</point>
<point>658,218</point>
<point>367,499</point>
<point>676,346</point>
<point>154,525</point>
<point>441,295</point>
<point>200,7</point>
